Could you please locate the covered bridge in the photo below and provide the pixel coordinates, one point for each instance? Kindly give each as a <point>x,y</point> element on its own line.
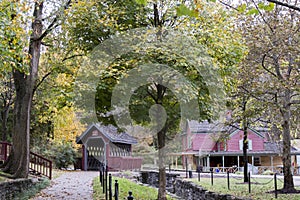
<point>105,145</point>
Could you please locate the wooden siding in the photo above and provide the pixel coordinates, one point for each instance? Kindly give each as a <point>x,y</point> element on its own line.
<point>257,141</point>
<point>204,142</point>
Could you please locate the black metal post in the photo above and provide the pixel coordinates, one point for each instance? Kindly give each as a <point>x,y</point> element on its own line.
<point>106,171</point>
<point>110,187</point>
<point>103,178</point>
<point>275,184</point>
<point>212,176</point>
<point>116,190</point>
<point>186,168</point>
<point>249,182</point>
<point>228,183</point>
<point>130,197</point>
<point>100,171</point>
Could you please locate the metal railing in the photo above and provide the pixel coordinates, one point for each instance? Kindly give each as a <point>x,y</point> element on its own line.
<point>37,163</point>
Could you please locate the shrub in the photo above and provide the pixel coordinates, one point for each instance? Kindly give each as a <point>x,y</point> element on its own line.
<point>63,155</point>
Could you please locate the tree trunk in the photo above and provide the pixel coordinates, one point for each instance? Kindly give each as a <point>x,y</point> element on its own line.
<point>245,141</point>
<point>18,163</point>
<point>245,155</point>
<point>286,152</point>
<point>161,134</point>
<point>162,195</point>
<point>20,139</point>
<point>161,137</point>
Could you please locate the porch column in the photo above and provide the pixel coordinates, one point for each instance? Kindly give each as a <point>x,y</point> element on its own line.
<point>172,158</point>
<point>252,161</point>
<point>223,163</point>
<point>272,163</point>
<point>176,162</point>
<point>238,163</point>
<point>85,166</point>
<point>208,162</point>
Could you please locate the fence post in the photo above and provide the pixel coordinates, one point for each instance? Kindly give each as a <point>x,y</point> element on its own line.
<point>116,190</point>
<point>249,182</point>
<point>228,183</point>
<point>103,179</point>
<point>100,175</point>
<point>186,168</point>
<point>130,197</point>
<point>212,176</point>
<point>106,171</point>
<point>275,184</point>
<point>110,187</point>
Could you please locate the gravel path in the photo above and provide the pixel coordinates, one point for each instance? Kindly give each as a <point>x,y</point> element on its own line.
<point>70,185</point>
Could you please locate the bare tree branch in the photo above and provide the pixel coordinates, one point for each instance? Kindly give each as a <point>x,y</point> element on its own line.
<point>262,16</point>
<point>295,102</point>
<point>285,5</point>
<point>53,24</point>
<point>39,83</point>
<point>73,56</point>
<point>228,5</point>
<point>265,68</point>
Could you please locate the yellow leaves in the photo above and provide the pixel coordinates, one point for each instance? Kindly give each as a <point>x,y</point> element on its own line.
<point>66,125</point>
<point>63,80</point>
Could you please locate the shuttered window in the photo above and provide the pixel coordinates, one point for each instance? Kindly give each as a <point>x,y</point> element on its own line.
<point>249,144</point>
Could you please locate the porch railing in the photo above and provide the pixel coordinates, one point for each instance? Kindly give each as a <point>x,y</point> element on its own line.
<point>37,163</point>
<point>252,169</point>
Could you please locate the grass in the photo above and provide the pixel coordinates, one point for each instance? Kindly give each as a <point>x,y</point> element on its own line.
<point>139,192</point>
<point>36,188</point>
<point>259,188</point>
<point>32,191</point>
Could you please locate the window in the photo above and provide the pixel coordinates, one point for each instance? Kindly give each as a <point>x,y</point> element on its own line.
<point>249,144</point>
<point>189,142</point>
<point>257,161</point>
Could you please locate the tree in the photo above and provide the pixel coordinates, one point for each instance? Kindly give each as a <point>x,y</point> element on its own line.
<point>272,36</point>
<point>25,77</point>
<point>11,47</point>
<point>128,59</point>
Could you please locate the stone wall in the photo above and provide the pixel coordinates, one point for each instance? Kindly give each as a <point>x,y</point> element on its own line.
<point>8,190</point>
<point>184,189</point>
<point>151,178</point>
<point>192,191</point>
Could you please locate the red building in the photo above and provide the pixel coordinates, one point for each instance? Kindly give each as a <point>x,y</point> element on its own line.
<point>105,145</point>
<point>213,145</point>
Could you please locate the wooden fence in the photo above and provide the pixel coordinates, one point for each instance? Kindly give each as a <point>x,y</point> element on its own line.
<point>38,164</point>
<point>124,163</point>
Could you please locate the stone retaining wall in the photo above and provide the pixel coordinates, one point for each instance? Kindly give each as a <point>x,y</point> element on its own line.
<point>8,190</point>
<point>192,191</point>
<point>184,189</point>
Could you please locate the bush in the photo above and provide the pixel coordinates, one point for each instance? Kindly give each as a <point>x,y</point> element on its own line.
<point>63,155</point>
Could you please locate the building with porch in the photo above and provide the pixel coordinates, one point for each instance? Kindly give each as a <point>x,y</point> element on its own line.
<point>104,145</point>
<point>213,145</point>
